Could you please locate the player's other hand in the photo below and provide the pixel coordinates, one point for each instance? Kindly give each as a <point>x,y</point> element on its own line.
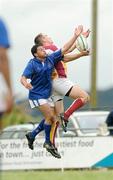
<point>28,86</point>
<point>25,83</point>
<point>78,30</point>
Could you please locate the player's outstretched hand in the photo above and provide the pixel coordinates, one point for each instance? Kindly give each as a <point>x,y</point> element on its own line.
<point>86,53</point>
<point>86,33</point>
<point>78,30</point>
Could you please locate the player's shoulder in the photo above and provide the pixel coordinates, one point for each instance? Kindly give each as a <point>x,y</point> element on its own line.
<point>1,22</point>
<point>52,47</point>
<point>32,61</point>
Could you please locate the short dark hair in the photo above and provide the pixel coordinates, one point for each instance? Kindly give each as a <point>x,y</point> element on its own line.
<point>37,39</point>
<point>34,49</point>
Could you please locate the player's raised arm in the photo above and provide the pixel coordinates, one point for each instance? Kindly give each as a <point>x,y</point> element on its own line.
<point>68,45</point>
<point>71,57</point>
<point>85,34</point>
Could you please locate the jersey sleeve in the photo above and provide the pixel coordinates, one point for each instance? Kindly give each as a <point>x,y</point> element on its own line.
<point>28,71</point>
<point>4,40</point>
<point>57,56</point>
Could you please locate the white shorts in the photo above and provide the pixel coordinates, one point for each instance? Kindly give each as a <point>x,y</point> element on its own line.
<point>61,86</point>
<point>39,102</point>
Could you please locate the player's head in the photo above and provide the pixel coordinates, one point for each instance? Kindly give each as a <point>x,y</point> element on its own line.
<point>43,39</point>
<point>38,51</point>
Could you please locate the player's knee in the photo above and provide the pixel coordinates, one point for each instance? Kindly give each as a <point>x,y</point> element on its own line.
<point>86,98</point>
<point>51,119</point>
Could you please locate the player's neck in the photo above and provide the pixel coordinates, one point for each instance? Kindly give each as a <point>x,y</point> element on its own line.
<point>41,59</point>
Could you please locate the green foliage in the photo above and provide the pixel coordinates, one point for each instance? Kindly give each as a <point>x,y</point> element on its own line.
<point>17,116</point>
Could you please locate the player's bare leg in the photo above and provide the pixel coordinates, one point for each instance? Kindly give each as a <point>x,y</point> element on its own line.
<point>81,98</point>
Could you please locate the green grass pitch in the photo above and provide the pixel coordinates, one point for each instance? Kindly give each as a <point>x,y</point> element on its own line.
<point>102,174</point>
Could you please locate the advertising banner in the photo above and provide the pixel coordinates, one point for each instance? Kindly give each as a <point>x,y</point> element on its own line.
<point>76,152</point>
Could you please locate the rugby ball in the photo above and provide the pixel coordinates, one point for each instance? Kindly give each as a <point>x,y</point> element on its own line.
<point>81,43</point>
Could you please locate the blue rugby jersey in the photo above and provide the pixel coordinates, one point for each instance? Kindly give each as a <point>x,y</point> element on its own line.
<point>40,74</point>
<point>4,41</point>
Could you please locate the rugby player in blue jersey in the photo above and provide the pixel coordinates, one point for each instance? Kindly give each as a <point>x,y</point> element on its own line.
<point>39,71</point>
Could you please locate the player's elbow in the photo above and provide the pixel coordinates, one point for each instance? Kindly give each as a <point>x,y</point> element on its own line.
<point>64,50</point>
<point>66,58</point>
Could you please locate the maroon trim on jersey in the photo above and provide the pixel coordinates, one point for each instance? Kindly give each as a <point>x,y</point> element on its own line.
<point>60,67</point>
<point>51,47</point>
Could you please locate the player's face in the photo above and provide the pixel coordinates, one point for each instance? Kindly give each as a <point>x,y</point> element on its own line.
<point>41,53</point>
<point>47,39</point>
